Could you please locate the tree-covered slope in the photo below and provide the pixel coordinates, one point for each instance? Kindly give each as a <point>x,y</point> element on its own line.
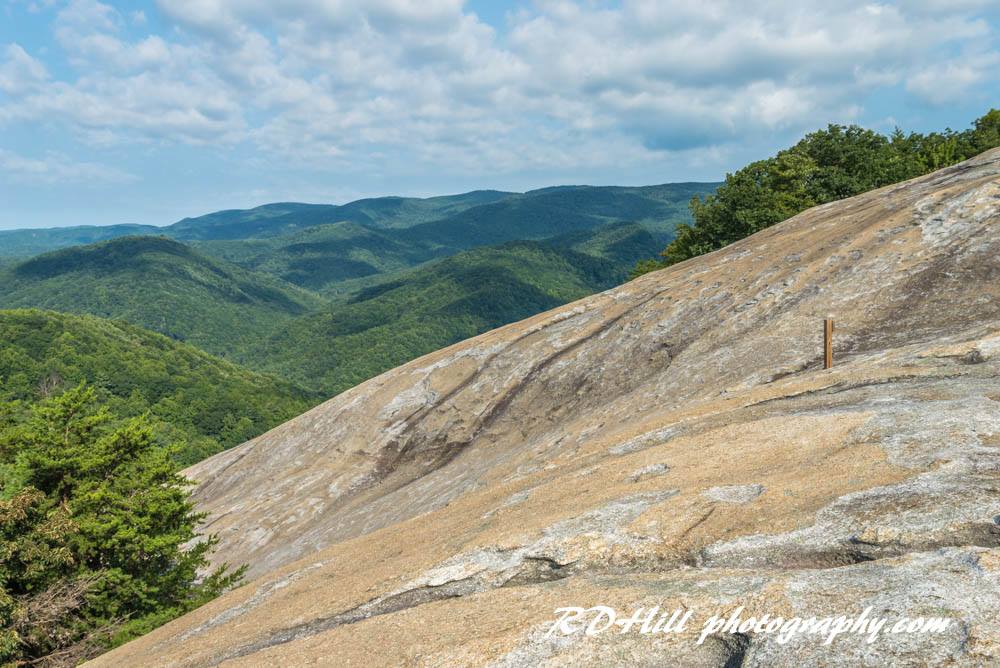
<point>619,243</point>
<point>444,302</point>
<point>319,257</point>
<point>272,220</point>
<point>202,401</point>
<point>550,212</point>
<point>338,257</point>
<point>158,284</point>
<point>99,533</point>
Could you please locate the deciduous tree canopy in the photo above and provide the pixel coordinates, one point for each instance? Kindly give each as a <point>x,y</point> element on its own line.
<point>824,166</point>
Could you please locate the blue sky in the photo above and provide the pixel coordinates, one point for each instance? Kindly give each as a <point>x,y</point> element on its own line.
<point>146,112</point>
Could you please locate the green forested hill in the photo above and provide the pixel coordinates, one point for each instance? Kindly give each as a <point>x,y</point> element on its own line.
<point>158,284</point>
<point>618,243</point>
<point>550,212</point>
<point>204,402</point>
<point>262,222</point>
<point>320,257</point>
<point>449,300</point>
<point>331,258</point>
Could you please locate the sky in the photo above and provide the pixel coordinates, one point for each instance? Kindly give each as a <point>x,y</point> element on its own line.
<point>150,111</point>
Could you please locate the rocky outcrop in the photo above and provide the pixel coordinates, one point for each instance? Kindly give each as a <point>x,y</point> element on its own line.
<point>672,442</point>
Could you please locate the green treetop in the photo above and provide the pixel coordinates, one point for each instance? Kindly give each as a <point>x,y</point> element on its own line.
<point>97,532</point>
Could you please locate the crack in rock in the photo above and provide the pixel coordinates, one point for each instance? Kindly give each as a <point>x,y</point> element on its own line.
<point>936,509</point>
<point>543,560</point>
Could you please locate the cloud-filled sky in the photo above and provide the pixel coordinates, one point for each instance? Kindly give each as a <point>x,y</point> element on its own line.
<point>146,112</point>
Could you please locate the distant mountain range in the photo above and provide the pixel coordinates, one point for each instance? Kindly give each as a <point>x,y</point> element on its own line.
<point>567,205</point>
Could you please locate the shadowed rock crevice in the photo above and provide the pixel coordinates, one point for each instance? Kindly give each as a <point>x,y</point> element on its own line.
<point>537,570</point>
<point>418,454</point>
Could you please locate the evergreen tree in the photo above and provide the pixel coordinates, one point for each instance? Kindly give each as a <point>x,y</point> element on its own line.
<point>97,530</point>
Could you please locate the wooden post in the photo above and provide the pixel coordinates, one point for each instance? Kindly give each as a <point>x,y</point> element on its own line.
<point>828,343</point>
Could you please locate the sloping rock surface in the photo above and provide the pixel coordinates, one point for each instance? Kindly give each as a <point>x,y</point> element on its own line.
<point>671,442</point>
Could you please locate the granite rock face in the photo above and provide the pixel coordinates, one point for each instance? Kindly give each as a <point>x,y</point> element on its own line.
<point>673,442</point>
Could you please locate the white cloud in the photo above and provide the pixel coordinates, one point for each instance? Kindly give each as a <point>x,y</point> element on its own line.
<point>145,90</point>
<point>945,82</point>
<point>19,72</point>
<point>383,84</point>
<point>57,168</point>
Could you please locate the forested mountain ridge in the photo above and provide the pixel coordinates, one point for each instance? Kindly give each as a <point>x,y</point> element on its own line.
<point>380,213</point>
<point>322,257</point>
<point>394,212</point>
<point>336,258</point>
<point>320,247</point>
<point>272,220</point>
<point>271,326</point>
<point>267,220</point>
<point>29,242</point>
<point>443,302</point>
<point>541,214</point>
<point>159,284</point>
<point>201,404</point>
